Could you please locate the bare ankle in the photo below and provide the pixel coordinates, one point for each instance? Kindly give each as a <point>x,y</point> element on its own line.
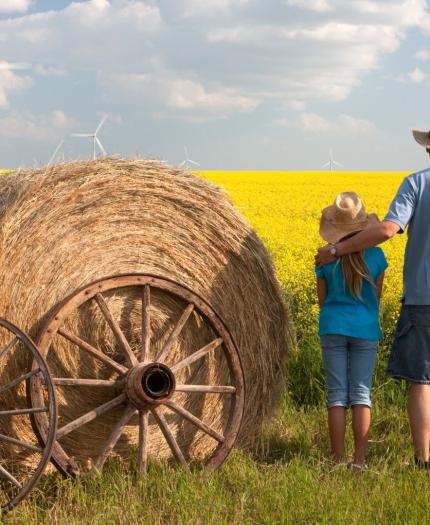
<point>338,457</point>
<point>359,459</point>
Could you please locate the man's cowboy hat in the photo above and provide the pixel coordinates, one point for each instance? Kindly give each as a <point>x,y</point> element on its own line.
<point>345,216</point>
<point>422,137</point>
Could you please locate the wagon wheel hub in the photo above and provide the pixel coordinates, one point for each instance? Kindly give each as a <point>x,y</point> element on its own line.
<point>150,384</point>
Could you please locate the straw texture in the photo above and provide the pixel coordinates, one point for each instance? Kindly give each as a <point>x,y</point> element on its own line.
<point>70,224</point>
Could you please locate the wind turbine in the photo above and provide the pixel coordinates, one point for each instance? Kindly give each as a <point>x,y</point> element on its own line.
<point>57,149</point>
<point>94,137</point>
<point>187,162</point>
<point>332,162</point>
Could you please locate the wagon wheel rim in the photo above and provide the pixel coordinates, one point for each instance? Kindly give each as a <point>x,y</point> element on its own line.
<point>145,386</point>
<point>47,407</point>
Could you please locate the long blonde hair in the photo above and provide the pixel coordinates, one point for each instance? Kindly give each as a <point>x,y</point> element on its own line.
<point>355,270</point>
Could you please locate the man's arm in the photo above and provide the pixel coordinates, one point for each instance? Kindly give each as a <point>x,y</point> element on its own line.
<point>371,236</point>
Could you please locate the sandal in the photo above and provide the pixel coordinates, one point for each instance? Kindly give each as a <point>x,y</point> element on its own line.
<point>420,463</point>
<point>359,467</point>
<point>340,466</point>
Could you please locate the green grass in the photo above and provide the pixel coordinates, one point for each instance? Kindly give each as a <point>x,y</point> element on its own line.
<point>290,480</point>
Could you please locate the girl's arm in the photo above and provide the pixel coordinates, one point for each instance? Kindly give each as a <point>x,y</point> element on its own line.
<point>379,282</point>
<point>321,290</point>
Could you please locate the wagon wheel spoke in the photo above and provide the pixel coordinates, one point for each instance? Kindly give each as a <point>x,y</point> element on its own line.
<point>19,380</point>
<point>20,443</point>
<point>195,421</point>
<point>116,329</point>
<point>83,345</point>
<point>146,323</point>
<point>89,416</point>
<point>8,347</point>
<point>114,436</point>
<point>142,452</point>
<point>68,381</point>
<point>7,475</point>
<point>171,441</point>
<point>175,333</point>
<point>208,389</point>
<point>197,355</point>
<point>23,411</point>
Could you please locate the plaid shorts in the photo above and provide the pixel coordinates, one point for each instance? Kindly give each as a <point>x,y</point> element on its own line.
<point>410,352</point>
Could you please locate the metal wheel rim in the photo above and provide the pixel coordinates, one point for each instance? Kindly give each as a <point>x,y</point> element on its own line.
<point>60,458</point>
<point>49,437</point>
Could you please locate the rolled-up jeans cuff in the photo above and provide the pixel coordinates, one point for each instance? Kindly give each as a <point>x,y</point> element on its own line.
<point>337,398</point>
<point>360,397</point>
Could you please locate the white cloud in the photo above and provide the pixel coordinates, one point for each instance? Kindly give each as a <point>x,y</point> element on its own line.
<point>192,8</point>
<point>40,128</point>
<point>314,123</point>
<point>189,95</point>
<point>185,97</point>
<point>10,82</point>
<point>45,70</point>
<point>311,5</point>
<point>237,56</point>
<point>94,34</point>
<point>417,76</point>
<point>11,6</point>
<point>295,105</point>
<point>423,55</point>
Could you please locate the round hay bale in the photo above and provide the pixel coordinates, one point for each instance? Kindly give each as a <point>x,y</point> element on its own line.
<point>73,223</point>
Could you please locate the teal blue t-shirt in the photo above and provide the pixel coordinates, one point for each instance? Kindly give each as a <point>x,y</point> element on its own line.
<point>342,313</point>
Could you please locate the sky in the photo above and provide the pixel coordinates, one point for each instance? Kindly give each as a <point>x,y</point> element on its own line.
<point>243,84</point>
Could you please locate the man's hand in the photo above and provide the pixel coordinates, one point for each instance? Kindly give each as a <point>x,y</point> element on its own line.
<point>324,256</point>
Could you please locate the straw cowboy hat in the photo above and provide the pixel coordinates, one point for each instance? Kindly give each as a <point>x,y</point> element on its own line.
<point>422,137</point>
<point>345,216</point>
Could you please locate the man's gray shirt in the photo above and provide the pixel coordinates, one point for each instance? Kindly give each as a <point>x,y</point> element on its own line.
<point>411,206</point>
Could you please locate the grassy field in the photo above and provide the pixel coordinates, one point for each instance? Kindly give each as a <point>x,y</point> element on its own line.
<point>290,478</point>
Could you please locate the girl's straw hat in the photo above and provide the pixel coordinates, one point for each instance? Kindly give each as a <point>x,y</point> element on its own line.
<point>345,216</point>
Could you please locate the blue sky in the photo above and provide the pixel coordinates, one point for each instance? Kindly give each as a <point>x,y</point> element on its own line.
<point>245,84</point>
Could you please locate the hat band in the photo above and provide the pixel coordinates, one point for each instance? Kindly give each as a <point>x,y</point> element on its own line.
<point>331,221</point>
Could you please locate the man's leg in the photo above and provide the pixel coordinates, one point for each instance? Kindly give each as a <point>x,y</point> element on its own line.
<point>419,419</point>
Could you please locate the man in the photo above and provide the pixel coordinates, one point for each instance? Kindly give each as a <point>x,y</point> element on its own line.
<point>410,353</point>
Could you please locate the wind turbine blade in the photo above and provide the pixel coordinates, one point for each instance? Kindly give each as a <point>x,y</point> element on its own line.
<point>103,120</point>
<point>57,149</point>
<point>193,162</point>
<point>182,163</point>
<point>82,135</point>
<point>338,164</point>
<point>326,164</point>
<point>100,146</point>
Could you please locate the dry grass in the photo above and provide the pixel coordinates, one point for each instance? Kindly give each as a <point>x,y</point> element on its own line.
<point>77,222</point>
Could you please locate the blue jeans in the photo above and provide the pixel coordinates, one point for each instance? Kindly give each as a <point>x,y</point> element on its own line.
<point>349,363</point>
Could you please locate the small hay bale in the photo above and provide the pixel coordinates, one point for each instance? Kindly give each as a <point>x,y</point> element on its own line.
<point>70,224</point>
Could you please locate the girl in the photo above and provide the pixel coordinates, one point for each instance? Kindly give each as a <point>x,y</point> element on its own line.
<point>349,290</point>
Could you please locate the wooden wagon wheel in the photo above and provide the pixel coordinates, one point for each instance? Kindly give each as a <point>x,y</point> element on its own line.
<point>22,460</point>
<point>143,388</point>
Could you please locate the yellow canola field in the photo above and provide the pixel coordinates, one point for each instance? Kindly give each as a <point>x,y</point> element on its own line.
<point>285,208</point>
